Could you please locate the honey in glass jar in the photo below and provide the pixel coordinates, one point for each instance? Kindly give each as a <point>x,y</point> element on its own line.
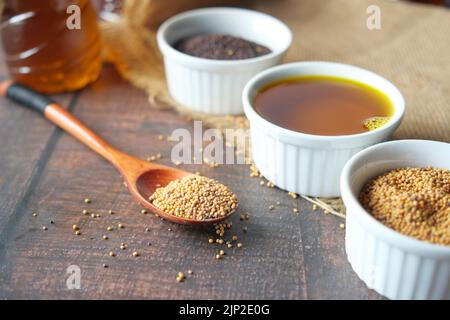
<point>46,51</point>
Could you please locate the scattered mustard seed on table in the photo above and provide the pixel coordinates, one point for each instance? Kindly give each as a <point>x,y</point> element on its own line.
<point>196,198</point>
<point>412,201</point>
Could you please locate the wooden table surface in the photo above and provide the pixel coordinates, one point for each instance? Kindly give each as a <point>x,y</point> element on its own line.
<point>43,170</point>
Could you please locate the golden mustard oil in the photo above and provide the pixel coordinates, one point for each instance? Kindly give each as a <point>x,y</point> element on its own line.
<point>324,105</point>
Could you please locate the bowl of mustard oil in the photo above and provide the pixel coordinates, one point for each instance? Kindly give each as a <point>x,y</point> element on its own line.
<point>308,118</point>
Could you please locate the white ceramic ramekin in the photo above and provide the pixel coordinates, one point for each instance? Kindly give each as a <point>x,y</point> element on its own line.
<point>305,163</point>
<point>215,86</point>
<point>394,265</point>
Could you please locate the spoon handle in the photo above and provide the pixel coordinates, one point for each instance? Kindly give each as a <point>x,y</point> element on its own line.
<point>60,117</point>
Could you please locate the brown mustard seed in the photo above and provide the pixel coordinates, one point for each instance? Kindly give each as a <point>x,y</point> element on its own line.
<point>196,198</point>
<point>75,227</point>
<point>85,212</point>
<point>412,201</point>
<point>44,228</point>
<point>136,254</point>
<point>210,240</point>
<point>239,245</point>
<point>143,211</point>
<point>105,238</point>
<point>110,212</point>
<point>87,200</point>
<point>112,254</point>
<point>78,232</point>
<point>220,47</point>
<point>34,214</point>
<point>109,228</point>
<point>120,226</point>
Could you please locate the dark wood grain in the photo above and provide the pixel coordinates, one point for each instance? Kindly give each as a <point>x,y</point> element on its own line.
<point>285,256</point>
<point>26,140</point>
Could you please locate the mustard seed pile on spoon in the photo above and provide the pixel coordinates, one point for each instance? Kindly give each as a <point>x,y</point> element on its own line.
<point>196,198</point>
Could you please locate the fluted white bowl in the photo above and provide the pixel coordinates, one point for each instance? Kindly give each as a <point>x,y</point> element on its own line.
<point>215,86</point>
<point>394,265</point>
<point>305,163</point>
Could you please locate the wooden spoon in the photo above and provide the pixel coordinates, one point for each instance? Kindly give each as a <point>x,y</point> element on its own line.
<point>142,178</point>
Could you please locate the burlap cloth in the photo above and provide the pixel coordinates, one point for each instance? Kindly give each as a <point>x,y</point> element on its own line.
<point>412,49</point>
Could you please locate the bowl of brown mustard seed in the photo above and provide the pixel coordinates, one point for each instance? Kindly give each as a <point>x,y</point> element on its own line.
<point>211,53</point>
<point>397,196</point>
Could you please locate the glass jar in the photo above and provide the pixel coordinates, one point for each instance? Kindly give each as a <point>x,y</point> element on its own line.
<point>51,45</point>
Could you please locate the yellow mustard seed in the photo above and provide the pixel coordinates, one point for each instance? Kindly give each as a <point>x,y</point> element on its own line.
<point>196,198</point>
<point>412,201</point>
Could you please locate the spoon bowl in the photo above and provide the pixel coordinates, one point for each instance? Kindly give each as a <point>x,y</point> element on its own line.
<point>147,183</point>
